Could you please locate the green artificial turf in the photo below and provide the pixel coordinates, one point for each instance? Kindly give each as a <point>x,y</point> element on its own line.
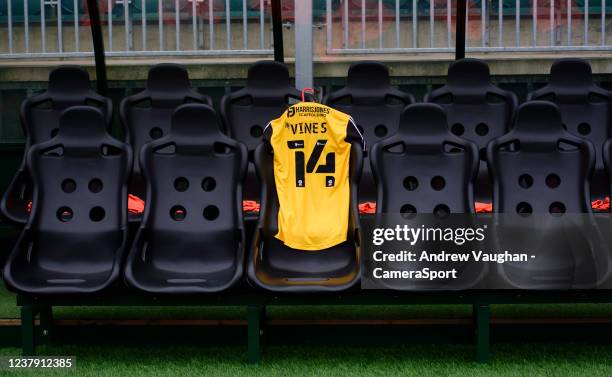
<point>532,359</point>
<point>422,360</point>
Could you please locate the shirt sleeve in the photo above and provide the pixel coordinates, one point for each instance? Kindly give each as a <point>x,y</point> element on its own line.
<point>267,133</point>
<point>353,135</point>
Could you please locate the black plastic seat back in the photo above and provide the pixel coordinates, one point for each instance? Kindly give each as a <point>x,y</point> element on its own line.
<point>585,110</point>
<point>192,236</point>
<point>146,115</point>
<point>425,170</point>
<point>538,167</point>
<point>542,172</point>
<point>375,106</point>
<point>274,266</point>
<point>476,110</point>
<point>246,112</point>
<point>68,86</point>
<point>423,167</point>
<point>75,237</point>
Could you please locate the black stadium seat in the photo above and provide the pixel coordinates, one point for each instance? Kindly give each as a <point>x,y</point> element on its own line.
<point>423,165</point>
<point>586,110</point>
<point>424,169</point>
<point>540,171</point>
<point>246,112</point>
<point>375,105</point>
<point>273,266</point>
<point>476,110</point>
<point>146,115</point>
<point>76,235</point>
<point>192,237</point>
<point>68,86</point>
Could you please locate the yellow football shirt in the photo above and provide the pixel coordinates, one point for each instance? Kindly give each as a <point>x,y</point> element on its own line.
<point>312,147</point>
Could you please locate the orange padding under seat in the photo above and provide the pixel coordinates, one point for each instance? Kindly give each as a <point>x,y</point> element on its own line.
<point>136,206</point>
<point>483,207</point>
<point>600,205</point>
<point>250,206</point>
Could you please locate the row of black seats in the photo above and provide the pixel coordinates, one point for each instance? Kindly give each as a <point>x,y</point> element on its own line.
<point>476,109</point>
<point>192,238</point>
<point>479,111</point>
